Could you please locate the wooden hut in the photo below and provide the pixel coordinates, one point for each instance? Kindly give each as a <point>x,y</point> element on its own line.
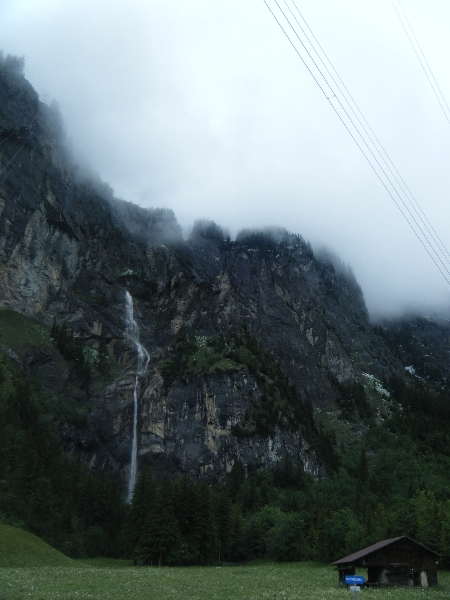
<point>397,561</point>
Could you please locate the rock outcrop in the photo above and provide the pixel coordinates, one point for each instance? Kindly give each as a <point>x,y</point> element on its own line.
<point>69,251</point>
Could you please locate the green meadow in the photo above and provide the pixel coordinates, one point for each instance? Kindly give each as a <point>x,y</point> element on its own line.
<point>119,580</point>
<point>30,568</point>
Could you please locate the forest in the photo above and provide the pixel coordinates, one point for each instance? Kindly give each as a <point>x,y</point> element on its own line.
<point>392,482</point>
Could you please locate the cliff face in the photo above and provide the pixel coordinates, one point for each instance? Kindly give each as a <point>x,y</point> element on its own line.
<point>243,337</point>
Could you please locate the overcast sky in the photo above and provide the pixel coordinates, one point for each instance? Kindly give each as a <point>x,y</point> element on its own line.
<point>204,107</point>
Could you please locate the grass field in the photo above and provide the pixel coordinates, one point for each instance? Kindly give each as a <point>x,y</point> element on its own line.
<point>100,579</point>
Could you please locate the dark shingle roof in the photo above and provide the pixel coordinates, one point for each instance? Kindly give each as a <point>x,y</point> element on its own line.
<point>351,558</point>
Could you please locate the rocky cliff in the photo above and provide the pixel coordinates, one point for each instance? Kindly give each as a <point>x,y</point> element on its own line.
<point>254,345</point>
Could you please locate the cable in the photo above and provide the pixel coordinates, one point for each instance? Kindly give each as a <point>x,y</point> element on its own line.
<point>421,63</point>
<point>7,138</point>
<point>365,142</point>
<point>369,149</point>
<point>417,208</point>
<point>300,56</point>
<point>424,57</point>
<point>21,147</point>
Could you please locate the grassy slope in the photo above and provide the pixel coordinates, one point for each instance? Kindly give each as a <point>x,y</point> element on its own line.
<point>19,548</point>
<point>263,581</point>
<point>17,330</point>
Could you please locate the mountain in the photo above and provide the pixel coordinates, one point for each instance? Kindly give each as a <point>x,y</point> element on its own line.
<point>257,348</point>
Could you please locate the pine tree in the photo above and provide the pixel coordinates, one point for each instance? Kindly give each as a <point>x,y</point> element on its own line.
<point>137,520</point>
<point>204,522</point>
<point>236,522</point>
<point>223,523</point>
<point>186,512</point>
<point>184,505</point>
<point>363,470</point>
<point>160,539</point>
<point>235,479</point>
<point>316,537</point>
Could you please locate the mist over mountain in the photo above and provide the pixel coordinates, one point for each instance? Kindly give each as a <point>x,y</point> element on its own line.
<point>128,350</point>
<point>70,251</point>
<point>176,116</point>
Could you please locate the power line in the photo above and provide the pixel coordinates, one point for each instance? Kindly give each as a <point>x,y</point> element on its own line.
<point>382,177</point>
<point>446,113</point>
<point>414,203</point>
<point>300,56</point>
<point>370,150</point>
<point>7,138</point>
<point>18,151</point>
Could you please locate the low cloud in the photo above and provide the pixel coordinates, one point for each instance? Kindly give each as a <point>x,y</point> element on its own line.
<point>205,109</point>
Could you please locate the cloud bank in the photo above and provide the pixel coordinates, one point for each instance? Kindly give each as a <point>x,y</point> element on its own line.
<point>203,107</point>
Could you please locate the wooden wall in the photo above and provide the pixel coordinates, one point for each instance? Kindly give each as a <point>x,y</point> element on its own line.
<point>405,552</point>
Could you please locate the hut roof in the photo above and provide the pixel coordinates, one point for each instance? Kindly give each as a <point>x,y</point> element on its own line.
<point>351,558</point>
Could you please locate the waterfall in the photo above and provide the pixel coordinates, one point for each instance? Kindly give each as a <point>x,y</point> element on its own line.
<point>143,358</point>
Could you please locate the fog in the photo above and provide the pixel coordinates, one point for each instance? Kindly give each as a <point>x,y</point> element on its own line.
<point>203,107</point>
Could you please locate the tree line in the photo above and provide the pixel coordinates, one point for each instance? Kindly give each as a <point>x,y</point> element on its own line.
<point>281,514</point>
<point>391,481</point>
<point>44,489</point>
